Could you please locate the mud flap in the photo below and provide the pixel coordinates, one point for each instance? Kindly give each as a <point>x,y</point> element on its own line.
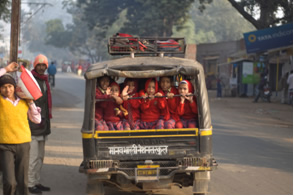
<point>201,183</point>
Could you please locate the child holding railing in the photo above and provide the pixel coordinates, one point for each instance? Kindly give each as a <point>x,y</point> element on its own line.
<point>170,113</point>
<point>187,107</point>
<point>152,107</point>
<point>112,114</point>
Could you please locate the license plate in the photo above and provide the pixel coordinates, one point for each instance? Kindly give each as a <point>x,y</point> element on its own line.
<point>146,170</point>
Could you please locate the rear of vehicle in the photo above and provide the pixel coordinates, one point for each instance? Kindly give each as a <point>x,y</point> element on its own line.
<point>153,159</point>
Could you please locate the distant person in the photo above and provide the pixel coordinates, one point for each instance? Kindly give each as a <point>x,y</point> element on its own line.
<point>80,70</point>
<point>219,87</point>
<point>68,70</point>
<point>283,86</point>
<point>290,89</point>
<point>52,71</point>
<point>41,131</point>
<point>261,84</point>
<point>15,134</point>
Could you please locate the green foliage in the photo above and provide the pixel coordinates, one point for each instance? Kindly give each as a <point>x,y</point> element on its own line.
<point>5,10</point>
<point>143,17</point>
<point>261,13</point>
<point>219,22</point>
<point>56,34</point>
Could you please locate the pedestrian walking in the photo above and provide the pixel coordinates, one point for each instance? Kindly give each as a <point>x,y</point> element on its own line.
<point>52,71</point>
<point>260,87</point>
<point>15,134</point>
<point>219,87</point>
<point>290,88</point>
<point>41,131</point>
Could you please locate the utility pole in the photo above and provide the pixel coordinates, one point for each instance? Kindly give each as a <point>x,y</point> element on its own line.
<point>15,29</point>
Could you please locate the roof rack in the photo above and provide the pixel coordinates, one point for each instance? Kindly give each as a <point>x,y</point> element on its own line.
<point>123,44</point>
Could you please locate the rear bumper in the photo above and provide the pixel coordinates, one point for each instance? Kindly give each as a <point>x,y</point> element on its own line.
<point>151,174</point>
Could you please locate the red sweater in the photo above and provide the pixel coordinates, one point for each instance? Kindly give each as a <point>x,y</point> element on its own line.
<point>109,112</point>
<point>98,105</point>
<point>171,105</point>
<point>187,110</point>
<point>134,106</point>
<point>151,109</point>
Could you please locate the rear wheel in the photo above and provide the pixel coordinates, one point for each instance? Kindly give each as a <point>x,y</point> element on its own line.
<point>95,187</point>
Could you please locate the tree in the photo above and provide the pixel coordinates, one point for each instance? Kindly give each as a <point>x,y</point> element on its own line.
<point>144,17</point>
<point>261,13</point>
<point>4,10</point>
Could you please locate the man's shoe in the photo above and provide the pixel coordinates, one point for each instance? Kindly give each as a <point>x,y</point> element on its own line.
<point>35,190</point>
<point>43,188</point>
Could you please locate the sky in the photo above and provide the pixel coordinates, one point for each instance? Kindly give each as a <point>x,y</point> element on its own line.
<point>52,10</point>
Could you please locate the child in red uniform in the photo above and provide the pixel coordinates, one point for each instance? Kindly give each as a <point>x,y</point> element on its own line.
<point>102,92</point>
<point>111,110</point>
<point>152,107</point>
<point>132,119</point>
<point>167,89</point>
<point>187,107</point>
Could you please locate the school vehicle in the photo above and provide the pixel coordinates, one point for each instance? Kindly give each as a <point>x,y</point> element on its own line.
<point>151,159</point>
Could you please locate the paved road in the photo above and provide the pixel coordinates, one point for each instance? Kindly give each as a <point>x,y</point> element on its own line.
<point>253,145</point>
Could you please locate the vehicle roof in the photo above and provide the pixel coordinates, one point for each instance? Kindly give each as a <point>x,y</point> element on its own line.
<point>144,67</point>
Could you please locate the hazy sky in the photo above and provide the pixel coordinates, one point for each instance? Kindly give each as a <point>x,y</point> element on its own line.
<point>52,11</point>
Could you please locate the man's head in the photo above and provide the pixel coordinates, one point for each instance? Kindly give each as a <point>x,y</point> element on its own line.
<point>7,86</point>
<point>41,64</point>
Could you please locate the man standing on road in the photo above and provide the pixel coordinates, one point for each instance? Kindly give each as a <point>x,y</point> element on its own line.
<point>290,90</point>
<point>52,71</point>
<point>42,130</point>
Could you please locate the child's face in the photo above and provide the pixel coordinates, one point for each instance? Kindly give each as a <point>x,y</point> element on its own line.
<point>151,88</point>
<point>7,90</point>
<point>165,83</point>
<point>131,85</point>
<point>183,89</point>
<point>104,83</point>
<point>114,90</point>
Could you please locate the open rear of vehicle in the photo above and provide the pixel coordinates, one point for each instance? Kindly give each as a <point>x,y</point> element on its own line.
<point>153,159</point>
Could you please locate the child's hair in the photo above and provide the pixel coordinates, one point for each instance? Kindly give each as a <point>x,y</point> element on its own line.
<point>171,78</point>
<point>100,78</point>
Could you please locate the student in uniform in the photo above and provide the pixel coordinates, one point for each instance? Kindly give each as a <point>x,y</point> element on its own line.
<point>151,107</point>
<point>132,118</point>
<point>112,112</point>
<point>170,114</point>
<point>187,107</point>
